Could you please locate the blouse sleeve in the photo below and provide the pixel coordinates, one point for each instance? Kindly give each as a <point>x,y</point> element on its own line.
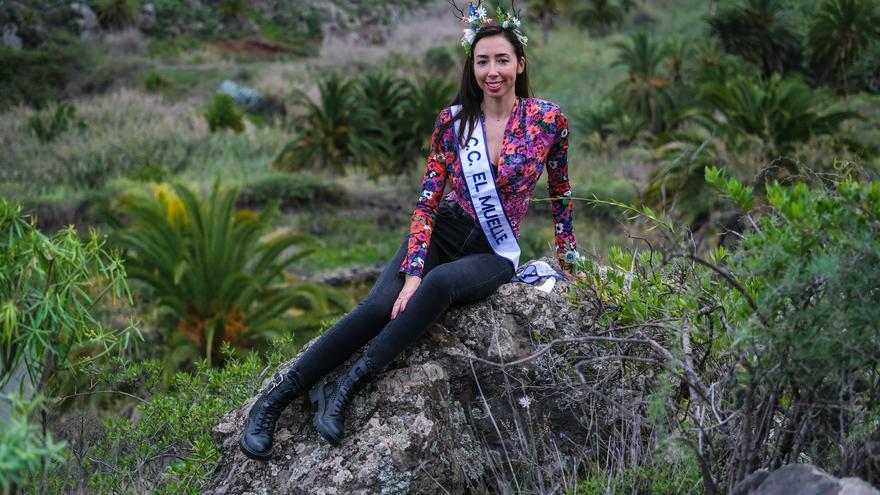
<point>560,190</point>
<point>439,163</point>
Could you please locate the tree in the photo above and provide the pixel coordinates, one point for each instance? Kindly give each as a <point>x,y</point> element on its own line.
<point>213,272</point>
<point>645,88</point>
<point>839,35</point>
<point>757,31</point>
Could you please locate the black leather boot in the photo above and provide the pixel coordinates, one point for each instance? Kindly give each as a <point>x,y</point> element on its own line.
<point>332,400</point>
<point>256,439</point>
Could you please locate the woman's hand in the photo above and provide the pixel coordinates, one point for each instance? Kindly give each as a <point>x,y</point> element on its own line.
<point>572,277</point>
<point>410,284</point>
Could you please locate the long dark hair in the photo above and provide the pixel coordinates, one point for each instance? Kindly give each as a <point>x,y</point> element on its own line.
<point>469,93</point>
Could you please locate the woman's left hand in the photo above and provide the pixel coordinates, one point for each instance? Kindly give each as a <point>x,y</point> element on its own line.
<point>572,277</point>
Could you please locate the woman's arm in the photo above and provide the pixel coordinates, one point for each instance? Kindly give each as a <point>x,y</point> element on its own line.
<point>425,211</point>
<point>560,192</point>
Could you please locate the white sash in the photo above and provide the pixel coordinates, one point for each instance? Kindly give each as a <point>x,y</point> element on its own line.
<point>483,194</point>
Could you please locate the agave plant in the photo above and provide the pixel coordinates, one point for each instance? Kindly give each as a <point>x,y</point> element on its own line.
<point>645,90</point>
<point>212,271</point>
<point>335,132</point>
<point>839,34</point>
<point>758,31</point>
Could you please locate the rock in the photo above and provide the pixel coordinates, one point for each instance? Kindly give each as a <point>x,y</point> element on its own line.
<point>245,97</point>
<point>800,479</point>
<point>351,275</point>
<point>435,421</point>
<point>11,38</point>
<point>147,18</point>
<point>89,28</point>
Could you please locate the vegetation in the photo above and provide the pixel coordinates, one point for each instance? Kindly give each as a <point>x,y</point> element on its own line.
<point>777,330</point>
<point>49,287</point>
<point>213,274</point>
<point>749,316</point>
<point>224,114</point>
<point>358,122</point>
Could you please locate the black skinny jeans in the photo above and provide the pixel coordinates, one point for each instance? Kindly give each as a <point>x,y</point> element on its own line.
<point>460,267</point>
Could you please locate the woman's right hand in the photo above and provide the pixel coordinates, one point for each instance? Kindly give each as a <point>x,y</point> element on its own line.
<point>410,284</point>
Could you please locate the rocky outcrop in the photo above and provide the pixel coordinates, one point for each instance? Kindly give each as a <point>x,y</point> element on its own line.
<point>800,479</point>
<point>437,421</point>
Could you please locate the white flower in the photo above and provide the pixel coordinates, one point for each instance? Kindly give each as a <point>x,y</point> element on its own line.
<point>481,12</point>
<point>468,37</point>
<point>522,38</point>
<point>516,22</point>
<point>525,401</point>
<point>505,24</point>
<point>564,133</point>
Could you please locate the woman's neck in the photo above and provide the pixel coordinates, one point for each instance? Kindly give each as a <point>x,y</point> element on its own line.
<point>498,109</point>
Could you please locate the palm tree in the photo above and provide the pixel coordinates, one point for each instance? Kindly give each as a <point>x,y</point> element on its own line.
<point>335,132</point>
<point>757,31</point>
<point>600,13</point>
<point>212,271</point>
<point>839,34</point>
<point>644,90</point>
<point>780,112</point>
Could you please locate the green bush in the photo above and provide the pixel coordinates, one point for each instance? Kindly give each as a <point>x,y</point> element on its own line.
<point>117,14</point>
<point>779,334</point>
<point>154,81</point>
<point>224,114</point>
<point>47,128</point>
<point>49,286</point>
<point>126,456</point>
<point>213,273</point>
<point>438,60</point>
<point>24,448</point>
<point>37,76</point>
<point>290,190</point>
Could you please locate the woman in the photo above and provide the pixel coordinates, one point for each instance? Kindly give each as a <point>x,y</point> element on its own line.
<point>455,252</point>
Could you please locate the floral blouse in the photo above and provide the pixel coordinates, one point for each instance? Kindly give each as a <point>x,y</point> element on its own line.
<point>536,135</point>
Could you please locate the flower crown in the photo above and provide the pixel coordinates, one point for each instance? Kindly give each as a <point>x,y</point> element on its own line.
<point>477,18</point>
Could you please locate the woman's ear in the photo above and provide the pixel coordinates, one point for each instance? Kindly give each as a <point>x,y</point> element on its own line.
<point>521,65</point>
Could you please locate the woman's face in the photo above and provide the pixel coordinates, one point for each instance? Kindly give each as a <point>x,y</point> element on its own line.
<point>496,66</point>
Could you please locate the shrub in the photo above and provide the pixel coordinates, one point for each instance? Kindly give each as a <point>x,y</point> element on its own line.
<point>48,128</point>
<point>438,60</point>
<point>49,286</point>
<point>224,114</point>
<point>154,81</point>
<point>175,423</point>
<point>213,273</point>
<point>290,190</point>
<point>777,337</point>
<point>117,14</point>
<point>24,448</point>
<point>36,76</point>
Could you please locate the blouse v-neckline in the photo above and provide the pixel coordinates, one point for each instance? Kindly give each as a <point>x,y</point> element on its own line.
<point>496,167</point>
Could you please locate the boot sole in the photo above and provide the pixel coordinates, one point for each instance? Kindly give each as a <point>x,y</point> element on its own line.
<point>252,454</point>
<point>318,398</point>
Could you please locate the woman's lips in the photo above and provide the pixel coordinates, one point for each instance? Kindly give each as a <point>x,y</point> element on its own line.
<point>494,87</point>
